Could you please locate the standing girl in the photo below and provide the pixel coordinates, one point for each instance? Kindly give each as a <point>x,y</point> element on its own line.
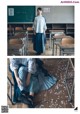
<point>39,27</point>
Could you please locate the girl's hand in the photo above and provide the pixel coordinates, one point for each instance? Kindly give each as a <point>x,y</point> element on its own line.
<point>18,81</point>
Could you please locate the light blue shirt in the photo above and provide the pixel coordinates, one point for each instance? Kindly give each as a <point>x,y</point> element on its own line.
<point>28,62</point>
<point>39,24</point>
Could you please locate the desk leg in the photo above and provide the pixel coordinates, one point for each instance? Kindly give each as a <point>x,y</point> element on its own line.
<point>53,47</point>
<point>27,41</point>
<point>50,42</point>
<point>61,51</point>
<point>25,45</point>
<point>7,45</point>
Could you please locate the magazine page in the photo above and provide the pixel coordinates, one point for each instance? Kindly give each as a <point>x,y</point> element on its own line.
<point>39,59</point>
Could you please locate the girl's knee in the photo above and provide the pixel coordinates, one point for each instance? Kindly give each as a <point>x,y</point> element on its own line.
<point>21,70</point>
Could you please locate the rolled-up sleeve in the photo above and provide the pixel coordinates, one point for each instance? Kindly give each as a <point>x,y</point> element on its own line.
<point>14,63</point>
<point>31,66</point>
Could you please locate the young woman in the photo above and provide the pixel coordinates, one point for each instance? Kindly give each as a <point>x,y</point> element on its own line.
<point>31,77</point>
<point>39,27</point>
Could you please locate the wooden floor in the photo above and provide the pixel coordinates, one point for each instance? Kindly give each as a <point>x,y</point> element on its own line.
<point>57,96</point>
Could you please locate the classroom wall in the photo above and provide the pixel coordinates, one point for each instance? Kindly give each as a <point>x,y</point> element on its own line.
<point>58,14</point>
<point>53,14</point>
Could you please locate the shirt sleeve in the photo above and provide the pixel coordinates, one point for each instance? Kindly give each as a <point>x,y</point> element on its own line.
<point>34,24</point>
<point>31,66</point>
<point>14,64</point>
<point>45,27</point>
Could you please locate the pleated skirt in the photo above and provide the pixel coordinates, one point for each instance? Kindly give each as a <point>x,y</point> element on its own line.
<point>41,80</point>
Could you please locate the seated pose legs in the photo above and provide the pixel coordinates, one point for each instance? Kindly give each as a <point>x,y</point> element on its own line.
<point>31,78</point>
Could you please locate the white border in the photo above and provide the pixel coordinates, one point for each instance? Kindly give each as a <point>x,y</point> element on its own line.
<point>3,54</point>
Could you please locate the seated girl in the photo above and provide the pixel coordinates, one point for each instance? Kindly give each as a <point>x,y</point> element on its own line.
<point>30,77</point>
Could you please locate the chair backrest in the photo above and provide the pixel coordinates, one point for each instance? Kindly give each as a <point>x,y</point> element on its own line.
<point>15,41</point>
<point>29,29</point>
<point>68,40</point>
<point>59,34</point>
<point>10,29</point>
<point>58,31</point>
<point>18,28</point>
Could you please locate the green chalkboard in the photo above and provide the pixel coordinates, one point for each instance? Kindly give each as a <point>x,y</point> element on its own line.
<point>20,13</point>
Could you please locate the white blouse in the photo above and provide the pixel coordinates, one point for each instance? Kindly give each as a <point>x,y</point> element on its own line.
<point>28,62</point>
<point>39,24</point>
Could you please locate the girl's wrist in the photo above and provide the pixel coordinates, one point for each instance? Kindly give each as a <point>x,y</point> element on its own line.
<point>17,77</point>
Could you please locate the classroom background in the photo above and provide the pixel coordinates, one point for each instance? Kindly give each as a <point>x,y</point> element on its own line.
<point>59,20</point>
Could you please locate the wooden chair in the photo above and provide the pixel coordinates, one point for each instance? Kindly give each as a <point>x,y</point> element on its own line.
<point>24,49</point>
<point>67,46</point>
<point>52,33</point>
<point>29,29</point>
<point>26,41</point>
<point>18,28</point>
<point>14,46</point>
<point>69,40</point>
<point>15,41</point>
<point>10,31</point>
<point>56,40</point>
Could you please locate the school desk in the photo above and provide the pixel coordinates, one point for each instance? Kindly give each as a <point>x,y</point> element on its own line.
<point>18,35</point>
<point>52,32</point>
<point>56,40</point>
<point>66,49</point>
<point>23,35</point>
<point>14,46</point>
